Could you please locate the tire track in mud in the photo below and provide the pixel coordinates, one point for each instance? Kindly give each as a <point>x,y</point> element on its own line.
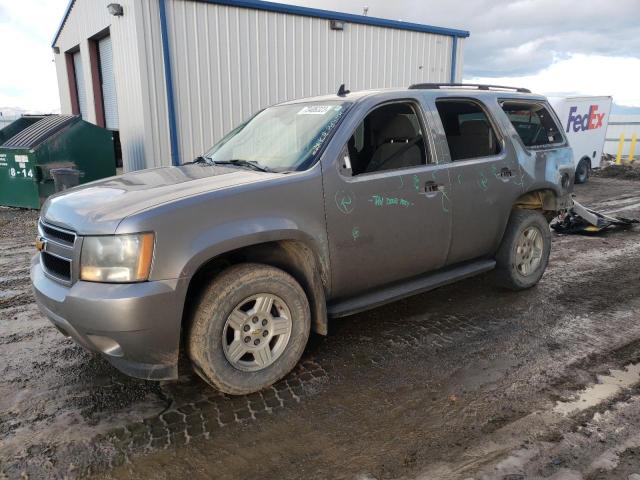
<point>435,333</point>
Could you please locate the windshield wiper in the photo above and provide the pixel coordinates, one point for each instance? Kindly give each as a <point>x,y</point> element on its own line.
<point>200,159</point>
<point>244,163</point>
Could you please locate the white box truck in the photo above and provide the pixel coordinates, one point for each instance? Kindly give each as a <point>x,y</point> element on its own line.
<point>584,120</point>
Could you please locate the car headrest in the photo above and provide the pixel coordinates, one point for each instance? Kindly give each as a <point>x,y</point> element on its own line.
<point>475,128</point>
<point>399,128</point>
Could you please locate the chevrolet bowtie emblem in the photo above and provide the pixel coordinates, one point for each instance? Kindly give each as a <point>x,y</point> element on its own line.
<point>40,244</point>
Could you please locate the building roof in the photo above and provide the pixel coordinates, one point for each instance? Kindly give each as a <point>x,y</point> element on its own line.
<point>310,12</point>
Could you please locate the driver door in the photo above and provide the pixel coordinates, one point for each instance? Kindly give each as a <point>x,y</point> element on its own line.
<point>387,205</point>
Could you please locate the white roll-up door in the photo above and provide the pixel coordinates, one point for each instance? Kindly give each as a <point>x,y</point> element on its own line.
<point>109,99</point>
<point>80,86</point>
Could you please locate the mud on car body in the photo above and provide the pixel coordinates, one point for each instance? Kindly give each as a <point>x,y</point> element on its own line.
<point>313,209</point>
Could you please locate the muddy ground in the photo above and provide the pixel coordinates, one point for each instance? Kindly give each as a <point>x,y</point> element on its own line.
<point>466,382</point>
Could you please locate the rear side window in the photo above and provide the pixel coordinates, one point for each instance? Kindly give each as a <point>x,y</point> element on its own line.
<point>468,129</point>
<point>533,122</point>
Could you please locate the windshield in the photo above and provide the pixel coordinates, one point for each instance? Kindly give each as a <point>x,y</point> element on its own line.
<point>280,138</point>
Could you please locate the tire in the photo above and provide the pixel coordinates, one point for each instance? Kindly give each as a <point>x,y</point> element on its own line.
<point>230,310</point>
<point>582,172</point>
<point>510,261</point>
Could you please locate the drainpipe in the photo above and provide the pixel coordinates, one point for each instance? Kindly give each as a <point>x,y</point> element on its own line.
<point>168,79</point>
<point>454,58</point>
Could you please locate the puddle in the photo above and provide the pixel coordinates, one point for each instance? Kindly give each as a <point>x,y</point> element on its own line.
<point>607,386</point>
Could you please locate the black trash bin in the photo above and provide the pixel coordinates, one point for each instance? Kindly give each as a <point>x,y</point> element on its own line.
<point>64,178</point>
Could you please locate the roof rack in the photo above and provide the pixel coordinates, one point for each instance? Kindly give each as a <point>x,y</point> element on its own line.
<point>433,86</point>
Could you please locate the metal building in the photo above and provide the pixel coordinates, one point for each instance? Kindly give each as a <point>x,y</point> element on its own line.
<point>173,76</point>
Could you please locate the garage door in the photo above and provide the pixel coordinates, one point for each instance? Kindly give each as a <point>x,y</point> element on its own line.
<point>80,86</point>
<point>105,52</point>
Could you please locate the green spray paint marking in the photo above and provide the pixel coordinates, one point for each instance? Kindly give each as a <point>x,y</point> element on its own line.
<point>459,179</point>
<point>381,201</point>
<point>416,183</point>
<point>344,202</point>
<point>445,199</point>
<point>483,182</point>
<point>355,233</point>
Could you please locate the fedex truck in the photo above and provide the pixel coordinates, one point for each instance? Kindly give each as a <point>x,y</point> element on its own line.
<point>584,120</point>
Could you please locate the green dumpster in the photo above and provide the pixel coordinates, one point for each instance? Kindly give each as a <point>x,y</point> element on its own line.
<point>34,148</point>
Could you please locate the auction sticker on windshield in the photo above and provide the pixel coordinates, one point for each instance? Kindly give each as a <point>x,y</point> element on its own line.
<point>315,110</point>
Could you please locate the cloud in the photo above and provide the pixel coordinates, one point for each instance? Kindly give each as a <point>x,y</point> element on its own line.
<point>28,79</point>
<point>580,74</point>
<point>513,40</point>
<point>517,37</point>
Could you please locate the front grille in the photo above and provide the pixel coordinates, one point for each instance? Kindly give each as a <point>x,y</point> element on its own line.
<point>56,266</point>
<point>58,253</point>
<point>58,235</point>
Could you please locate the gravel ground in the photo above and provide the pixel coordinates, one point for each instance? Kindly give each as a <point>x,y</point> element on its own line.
<point>468,381</point>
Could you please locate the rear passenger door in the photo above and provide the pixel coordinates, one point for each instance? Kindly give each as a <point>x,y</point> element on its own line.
<point>483,174</point>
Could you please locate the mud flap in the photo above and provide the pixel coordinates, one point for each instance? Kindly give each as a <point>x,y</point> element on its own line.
<point>580,219</point>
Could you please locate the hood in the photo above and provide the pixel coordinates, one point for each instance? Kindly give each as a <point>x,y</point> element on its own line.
<point>98,207</point>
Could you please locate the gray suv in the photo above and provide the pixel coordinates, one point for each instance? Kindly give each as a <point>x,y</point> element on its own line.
<point>312,209</point>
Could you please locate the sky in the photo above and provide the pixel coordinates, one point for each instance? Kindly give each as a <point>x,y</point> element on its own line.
<point>553,47</point>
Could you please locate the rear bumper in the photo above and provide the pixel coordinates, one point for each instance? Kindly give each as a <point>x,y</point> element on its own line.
<point>136,326</point>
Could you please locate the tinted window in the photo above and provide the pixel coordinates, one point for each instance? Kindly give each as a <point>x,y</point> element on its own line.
<point>533,122</point>
<point>389,138</point>
<point>468,129</point>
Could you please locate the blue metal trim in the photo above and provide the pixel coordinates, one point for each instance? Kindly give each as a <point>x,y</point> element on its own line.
<point>62,22</point>
<point>454,59</point>
<point>312,12</point>
<point>330,15</point>
<point>168,79</point>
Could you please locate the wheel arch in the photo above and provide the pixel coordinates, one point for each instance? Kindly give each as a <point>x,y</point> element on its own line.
<point>294,256</point>
<point>545,200</point>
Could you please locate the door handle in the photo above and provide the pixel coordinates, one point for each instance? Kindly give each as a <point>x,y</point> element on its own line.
<point>506,174</point>
<point>431,188</point>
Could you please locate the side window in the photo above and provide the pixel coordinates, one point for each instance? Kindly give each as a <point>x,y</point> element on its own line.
<point>468,129</point>
<point>389,138</point>
<point>533,122</point>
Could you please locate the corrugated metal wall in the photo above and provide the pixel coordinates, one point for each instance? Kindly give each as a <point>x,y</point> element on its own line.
<point>229,62</point>
<point>141,98</point>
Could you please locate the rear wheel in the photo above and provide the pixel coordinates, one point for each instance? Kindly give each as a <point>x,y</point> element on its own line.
<point>582,172</point>
<point>524,252</point>
<point>249,329</point>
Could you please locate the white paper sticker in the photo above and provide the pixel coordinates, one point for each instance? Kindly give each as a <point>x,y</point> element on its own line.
<point>21,158</point>
<point>315,110</point>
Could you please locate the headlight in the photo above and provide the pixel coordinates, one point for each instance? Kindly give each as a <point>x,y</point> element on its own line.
<point>116,258</point>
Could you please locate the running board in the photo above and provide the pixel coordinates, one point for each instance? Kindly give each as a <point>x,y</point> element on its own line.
<point>414,286</point>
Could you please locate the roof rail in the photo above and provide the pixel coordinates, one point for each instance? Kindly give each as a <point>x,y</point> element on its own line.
<point>433,86</point>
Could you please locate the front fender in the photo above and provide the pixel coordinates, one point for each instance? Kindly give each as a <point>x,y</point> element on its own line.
<point>231,236</point>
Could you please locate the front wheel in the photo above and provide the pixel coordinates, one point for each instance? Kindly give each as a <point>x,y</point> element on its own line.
<point>524,252</point>
<point>249,328</point>
<point>582,172</point>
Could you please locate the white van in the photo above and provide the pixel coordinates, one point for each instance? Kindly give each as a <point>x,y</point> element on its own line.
<point>584,120</point>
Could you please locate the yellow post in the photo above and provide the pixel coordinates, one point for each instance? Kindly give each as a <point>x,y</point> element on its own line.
<point>632,149</point>
<point>620,147</point>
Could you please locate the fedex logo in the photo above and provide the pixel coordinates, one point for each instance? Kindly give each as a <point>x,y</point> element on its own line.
<point>588,121</point>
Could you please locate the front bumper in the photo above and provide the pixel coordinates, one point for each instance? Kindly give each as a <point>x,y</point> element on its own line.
<point>135,326</point>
